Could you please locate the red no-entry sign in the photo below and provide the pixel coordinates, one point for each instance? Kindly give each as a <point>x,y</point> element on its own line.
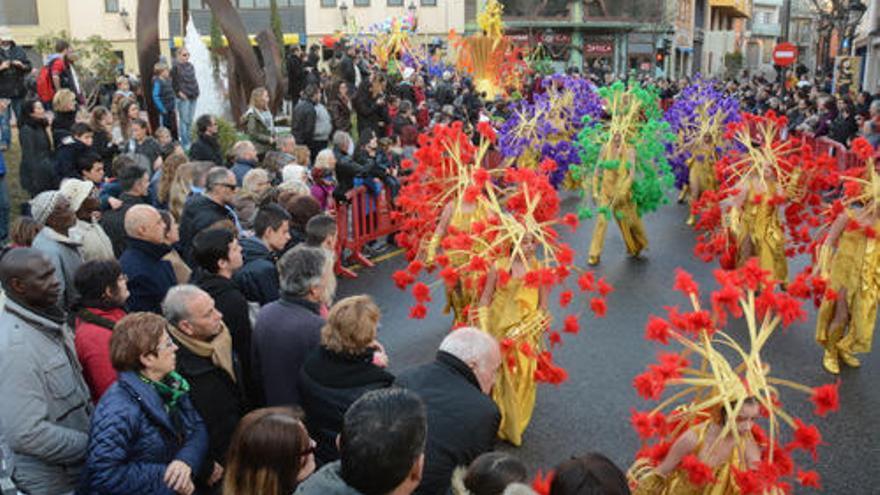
<point>785,54</point>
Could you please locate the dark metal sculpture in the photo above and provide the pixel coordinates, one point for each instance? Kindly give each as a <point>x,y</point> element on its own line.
<point>275,81</point>
<point>244,73</point>
<point>148,51</point>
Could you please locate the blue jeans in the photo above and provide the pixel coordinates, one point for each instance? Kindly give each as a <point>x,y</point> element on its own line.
<point>4,210</point>
<point>6,119</point>
<point>185,112</point>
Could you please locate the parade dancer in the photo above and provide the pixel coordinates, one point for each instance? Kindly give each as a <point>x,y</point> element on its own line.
<point>508,259</point>
<point>706,438</point>
<point>769,197</point>
<point>612,192</point>
<point>623,164</point>
<point>698,117</point>
<point>849,259</point>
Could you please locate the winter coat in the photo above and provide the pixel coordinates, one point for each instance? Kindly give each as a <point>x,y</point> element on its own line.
<point>295,76</point>
<point>370,115</point>
<point>340,112</point>
<point>113,221</point>
<point>322,191</point>
<point>326,481</point>
<point>45,407</point>
<point>64,254</point>
<point>323,125</point>
<point>462,420</point>
<point>346,171</point>
<point>12,79</point>
<point>216,397</point>
<point>286,331</point>
<point>207,149</point>
<point>149,276</point>
<point>330,382</point>
<point>347,70</point>
<point>102,143</point>
<point>37,170</point>
<point>133,439</point>
<point>94,242</point>
<point>258,278</point>
<point>303,122</point>
<point>61,124</point>
<point>68,151</point>
<point>240,169</point>
<point>183,80</point>
<point>163,95</point>
<point>94,327</point>
<point>229,300</point>
<point>199,213</point>
<point>259,131</point>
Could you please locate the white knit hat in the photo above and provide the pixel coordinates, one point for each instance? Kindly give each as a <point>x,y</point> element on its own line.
<point>76,191</point>
<point>43,204</point>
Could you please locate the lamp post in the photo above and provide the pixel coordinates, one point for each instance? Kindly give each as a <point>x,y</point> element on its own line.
<point>343,11</point>
<point>854,12</point>
<point>413,10</point>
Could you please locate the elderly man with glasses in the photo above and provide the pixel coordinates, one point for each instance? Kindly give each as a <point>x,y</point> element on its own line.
<point>213,208</point>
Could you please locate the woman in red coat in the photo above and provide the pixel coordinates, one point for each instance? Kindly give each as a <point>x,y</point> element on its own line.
<point>103,290</point>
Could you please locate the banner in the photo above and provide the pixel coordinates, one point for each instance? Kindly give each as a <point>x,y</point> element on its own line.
<point>847,75</point>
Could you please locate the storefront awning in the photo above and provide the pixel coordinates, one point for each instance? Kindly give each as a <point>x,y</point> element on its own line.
<point>736,8</point>
<point>289,39</point>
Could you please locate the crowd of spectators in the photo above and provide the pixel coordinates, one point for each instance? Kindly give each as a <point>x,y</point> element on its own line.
<point>170,323</point>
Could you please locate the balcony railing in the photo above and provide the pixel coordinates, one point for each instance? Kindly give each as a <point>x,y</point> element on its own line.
<point>773,30</point>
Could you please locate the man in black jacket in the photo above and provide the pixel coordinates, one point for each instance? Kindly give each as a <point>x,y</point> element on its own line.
<point>346,168</point>
<point>206,360</point>
<point>304,116</point>
<point>217,255</point>
<point>206,147</point>
<point>14,66</point>
<point>205,210</point>
<point>258,279</point>
<point>287,330</point>
<point>134,179</point>
<point>462,418</point>
<point>296,75</point>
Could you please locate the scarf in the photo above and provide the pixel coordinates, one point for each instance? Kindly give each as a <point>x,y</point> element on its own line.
<point>219,349</point>
<point>170,389</point>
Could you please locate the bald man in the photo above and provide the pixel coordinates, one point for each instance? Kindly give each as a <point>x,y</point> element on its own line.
<point>45,404</point>
<point>149,276</point>
<point>462,418</point>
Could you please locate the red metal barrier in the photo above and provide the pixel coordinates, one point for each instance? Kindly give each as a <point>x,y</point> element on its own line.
<point>365,218</point>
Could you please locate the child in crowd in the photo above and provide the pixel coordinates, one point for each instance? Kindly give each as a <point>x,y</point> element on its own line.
<point>163,97</point>
<point>71,148</point>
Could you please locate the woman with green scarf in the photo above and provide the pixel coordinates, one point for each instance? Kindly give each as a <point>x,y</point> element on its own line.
<point>146,436</point>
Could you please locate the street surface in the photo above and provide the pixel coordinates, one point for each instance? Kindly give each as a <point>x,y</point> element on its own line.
<point>590,412</point>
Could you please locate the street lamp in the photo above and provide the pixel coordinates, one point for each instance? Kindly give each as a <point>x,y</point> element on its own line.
<point>853,14</point>
<point>855,10</point>
<point>411,8</point>
<point>343,11</point>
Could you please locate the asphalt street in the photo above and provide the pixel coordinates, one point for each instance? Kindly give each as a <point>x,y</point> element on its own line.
<point>590,412</point>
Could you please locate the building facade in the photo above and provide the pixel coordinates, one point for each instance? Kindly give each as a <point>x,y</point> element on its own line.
<point>764,28</point>
<point>608,36</point>
<point>113,20</point>
<point>867,46</point>
<point>255,15</point>
<point>723,34</point>
<point>434,18</point>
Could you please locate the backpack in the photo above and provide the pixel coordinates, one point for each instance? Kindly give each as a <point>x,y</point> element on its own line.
<point>45,86</point>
